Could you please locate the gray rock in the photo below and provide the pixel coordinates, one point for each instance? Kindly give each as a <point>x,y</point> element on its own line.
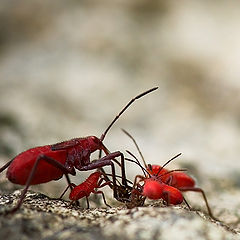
<point>41,217</point>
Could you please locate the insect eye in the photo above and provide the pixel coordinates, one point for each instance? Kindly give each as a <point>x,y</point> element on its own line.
<point>95,139</point>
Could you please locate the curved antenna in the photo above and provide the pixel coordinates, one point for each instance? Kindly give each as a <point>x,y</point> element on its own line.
<point>6,165</point>
<point>139,151</point>
<point>124,109</point>
<point>134,158</point>
<point>136,145</point>
<point>174,170</point>
<point>143,169</point>
<point>118,176</point>
<point>166,163</point>
<point>145,172</point>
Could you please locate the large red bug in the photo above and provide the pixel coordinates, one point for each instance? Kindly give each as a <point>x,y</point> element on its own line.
<point>173,179</point>
<point>46,163</point>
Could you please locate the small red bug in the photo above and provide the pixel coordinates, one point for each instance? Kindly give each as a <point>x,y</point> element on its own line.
<point>175,179</point>
<point>181,181</point>
<point>46,163</point>
<point>153,187</point>
<point>92,182</point>
<point>88,186</point>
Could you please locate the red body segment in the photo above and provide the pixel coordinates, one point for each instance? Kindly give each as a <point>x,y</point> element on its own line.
<point>21,167</point>
<point>86,188</point>
<point>155,189</point>
<point>175,179</point>
<point>172,195</point>
<point>152,189</point>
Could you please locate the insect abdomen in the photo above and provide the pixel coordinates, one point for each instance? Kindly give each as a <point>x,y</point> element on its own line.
<point>20,169</point>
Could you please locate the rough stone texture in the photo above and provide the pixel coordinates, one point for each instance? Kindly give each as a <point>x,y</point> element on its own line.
<point>43,218</point>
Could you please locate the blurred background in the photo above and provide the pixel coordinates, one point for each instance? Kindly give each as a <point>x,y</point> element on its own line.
<point>68,67</point>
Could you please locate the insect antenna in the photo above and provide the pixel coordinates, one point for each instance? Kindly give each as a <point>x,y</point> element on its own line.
<point>136,145</point>
<point>134,157</point>
<point>124,109</point>
<point>6,165</point>
<point>118,176</point>
<point>149,165</point>
<point>166,163</point>
<point>168,172</point>
<point>137,162</point>
<point>143,169</point>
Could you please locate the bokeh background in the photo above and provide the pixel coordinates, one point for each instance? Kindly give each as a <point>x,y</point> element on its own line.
<point>68,67</point>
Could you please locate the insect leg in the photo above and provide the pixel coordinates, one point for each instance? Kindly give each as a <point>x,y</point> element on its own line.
<point>49,160</point>
<point>124,179</point>
<point>166,197</point>
<point>169,180</point>
<point>104,200</point>
<point>71,186</point>
<point>194,189</point>
<point>189,207</point>
<point>107,160</point>
<point>122,165</point>
<point>88,206</point>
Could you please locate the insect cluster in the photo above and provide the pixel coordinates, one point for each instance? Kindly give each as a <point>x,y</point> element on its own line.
<point>46,163</point>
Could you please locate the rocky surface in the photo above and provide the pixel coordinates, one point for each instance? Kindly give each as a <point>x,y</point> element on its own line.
<point>44,218</point>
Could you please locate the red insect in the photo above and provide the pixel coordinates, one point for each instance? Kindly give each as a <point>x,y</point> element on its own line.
<point>46,163</point>
<point>155,189</point>
<point>152,187</point>
<point>179,180</point>
<point>175,179</point>
<point>88,186</point>
<point>174,182</point>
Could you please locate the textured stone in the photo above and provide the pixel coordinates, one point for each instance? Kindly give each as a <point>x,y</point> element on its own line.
<point>43,218</point>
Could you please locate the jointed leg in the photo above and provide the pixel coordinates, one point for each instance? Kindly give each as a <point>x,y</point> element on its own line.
<point>122,165</point>
<point>187,203</point>
<point>88,206</point>
<point>100,185</point>
<point>104,200</point>
<point>71,186</point>
<point>30,177</point>
<point>166,197</point>
<point>107,160</point>
<point>68,181</point>
<point>124,179</point>
<point>194,189</point>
